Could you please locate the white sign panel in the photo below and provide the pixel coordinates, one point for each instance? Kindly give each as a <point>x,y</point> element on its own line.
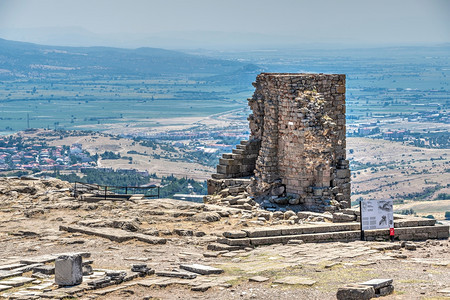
<point>377,214</point>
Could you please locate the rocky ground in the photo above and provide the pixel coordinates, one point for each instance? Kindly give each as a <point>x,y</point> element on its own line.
<point>164,234</point>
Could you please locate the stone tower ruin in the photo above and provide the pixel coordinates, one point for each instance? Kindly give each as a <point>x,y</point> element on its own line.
<point>296,153</point>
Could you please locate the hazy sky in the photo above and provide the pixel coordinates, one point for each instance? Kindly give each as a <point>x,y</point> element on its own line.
<point>287,21</point>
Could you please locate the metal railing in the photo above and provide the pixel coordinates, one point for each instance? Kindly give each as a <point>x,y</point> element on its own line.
<point>107,191</point>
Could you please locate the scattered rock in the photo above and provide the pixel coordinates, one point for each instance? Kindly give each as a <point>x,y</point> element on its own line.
<point>294,280</point>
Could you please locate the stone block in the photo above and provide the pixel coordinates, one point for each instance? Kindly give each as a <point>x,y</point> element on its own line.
<point>235,234</point>
<point>355,292</point>
<point>16,281</point>
<point>68,270</point>
<point>46,269</point>
<point>378,283</point>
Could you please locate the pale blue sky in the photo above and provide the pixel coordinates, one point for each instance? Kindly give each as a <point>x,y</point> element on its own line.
<point>136,22</point>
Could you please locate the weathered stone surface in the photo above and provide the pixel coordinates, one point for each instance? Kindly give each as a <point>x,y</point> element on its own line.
<point>184,275</point>
<point>16,281</point>
<point>68,270</point>
<point>355,292</point>
<point>235,234</point>
<point>258,279</point>
<point>4,287</point>
<point>378,283</point>
<point>294,280</point>
<point>202,287</point>
<point>46,269</point>
<point>341,217</point>
<point>385,291</point>
<point>6,274</point>
<point>296,150</point>
<point>207,217</point>
<point>201,269</point>
<point>113,234</point>
<point>11,266</point>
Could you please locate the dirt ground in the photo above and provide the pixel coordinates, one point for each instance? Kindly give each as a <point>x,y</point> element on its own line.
<point>30,227</point>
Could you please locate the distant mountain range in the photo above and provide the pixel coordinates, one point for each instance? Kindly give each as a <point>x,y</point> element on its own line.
<point>27,60</point>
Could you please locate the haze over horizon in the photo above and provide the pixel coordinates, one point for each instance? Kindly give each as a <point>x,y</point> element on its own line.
<point>234,24</point>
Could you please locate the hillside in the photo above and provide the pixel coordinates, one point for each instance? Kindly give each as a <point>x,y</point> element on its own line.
<point>26,60</point>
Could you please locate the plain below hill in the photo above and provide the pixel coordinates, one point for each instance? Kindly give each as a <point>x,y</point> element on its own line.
<point>19,60</point>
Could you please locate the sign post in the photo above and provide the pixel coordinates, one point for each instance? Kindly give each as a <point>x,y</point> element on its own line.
<point>377,214</point>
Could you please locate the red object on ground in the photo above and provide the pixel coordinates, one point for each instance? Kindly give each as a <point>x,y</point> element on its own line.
<point>391,232</point>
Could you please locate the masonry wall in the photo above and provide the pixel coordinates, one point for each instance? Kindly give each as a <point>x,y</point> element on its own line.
<point>298,132</point>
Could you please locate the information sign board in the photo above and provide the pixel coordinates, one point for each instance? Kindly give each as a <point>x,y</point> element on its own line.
<point>377,214</point>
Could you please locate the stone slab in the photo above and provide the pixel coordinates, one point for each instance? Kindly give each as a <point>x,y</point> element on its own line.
<point>183,275</point>
<point>6,274</point>
<point>103,292</point>
<point>355,292</point>
<point>28,268</point>
<point>39,259</point>
<point>444,291</point>
<point>378,283</point>
<point>41,286</point>
<point>149,239</point>
<point>202,287</point>
<point>17,281</point>
<point>116,235</point>
<point>258,279</point>
<point>235,234</point>
<point>294,280</point>
<point>4,287</point>
<point>113,234</point>
<point>45,269</point>
<point>11,266</point>
<point>201,269</point>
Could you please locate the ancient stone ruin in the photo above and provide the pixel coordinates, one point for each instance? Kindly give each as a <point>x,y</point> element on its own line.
<point>296,154</point>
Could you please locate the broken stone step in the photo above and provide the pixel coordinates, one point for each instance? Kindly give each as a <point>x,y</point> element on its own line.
<point>263,232</point>
<point>201,269</point>
<point>11,266</point>
<point>238,151</point>
<point>6,274</point>
<point>4,287</point>
<point>222,247</point>
<point>283,239</point>
<point>415,222</point>
<point>17,281</point>
<point>235,234</point>
<point>45,269</point>
<point>39,259</point>
<point>334,233</point>
<point>183,275</point>
<point>28,268</point>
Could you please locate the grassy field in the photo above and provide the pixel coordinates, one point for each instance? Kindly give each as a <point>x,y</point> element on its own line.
<point>389,170</point>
